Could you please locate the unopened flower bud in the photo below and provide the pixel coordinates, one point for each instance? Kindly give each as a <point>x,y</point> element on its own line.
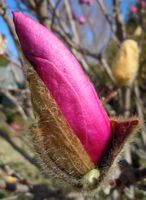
<point>143,4</point>
<point>126,63</point>
<point>74,136</point>
<point>133,10</point>
<point>88,2</point>
<point>82,20</point>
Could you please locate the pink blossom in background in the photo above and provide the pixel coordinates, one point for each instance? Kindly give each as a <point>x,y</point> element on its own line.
<point>88,2</point>
<point>74,16</point>
<point>143,4</point>
<point>16,127</point>
<point>133,10</point>
<point>82,1</point>
<point>68,84</point>
<point>82,20</point>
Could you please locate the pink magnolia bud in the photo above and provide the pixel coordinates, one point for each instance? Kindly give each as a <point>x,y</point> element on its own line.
<point>74,16</point>
<point>133,10</point>
<point>16,127</point>
<point>88,2</point>
<point>81,20</point>
<point>69,86</point>
<point>82,1</point>
<point>143,4</point>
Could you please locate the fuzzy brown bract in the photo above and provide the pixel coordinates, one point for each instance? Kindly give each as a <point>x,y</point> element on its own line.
<point>59,148</point>
<point>53,137</point>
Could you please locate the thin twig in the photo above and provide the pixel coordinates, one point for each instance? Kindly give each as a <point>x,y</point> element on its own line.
<point>108,18</point>
<point>129,175</point>
<point>106,67</point>
<point>139,106</point>
<point>127,105</point>
<point>14,100</point>
<point>76,35</point>
<point>120,25</point>
<point>4,14</point>
<point>42,13</point>
<point>54,13</point>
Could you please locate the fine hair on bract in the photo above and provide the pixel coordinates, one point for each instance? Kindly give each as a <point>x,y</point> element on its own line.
<point>53,138</point>
<point>123,134</point>
<point>61,151</point>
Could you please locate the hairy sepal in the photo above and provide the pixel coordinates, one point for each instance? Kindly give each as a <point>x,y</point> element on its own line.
<point>123,133</point>
<point>62,152</point>
<point>54,135</point>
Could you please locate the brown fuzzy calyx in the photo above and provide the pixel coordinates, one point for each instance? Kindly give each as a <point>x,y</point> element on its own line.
<point>123,131</point>
<point>54,139</point>
<point>60,149</point>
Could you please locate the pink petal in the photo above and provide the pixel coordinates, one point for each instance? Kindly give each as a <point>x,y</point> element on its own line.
<point>65,79</point>
<point>133,10</point>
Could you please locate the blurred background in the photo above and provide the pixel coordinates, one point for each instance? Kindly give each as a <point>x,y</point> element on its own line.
<point>94,30</point>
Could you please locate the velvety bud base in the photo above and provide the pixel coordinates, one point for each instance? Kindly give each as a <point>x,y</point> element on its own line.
<point>60,149</point>
<point>123,132</point>
<point>54,136</point>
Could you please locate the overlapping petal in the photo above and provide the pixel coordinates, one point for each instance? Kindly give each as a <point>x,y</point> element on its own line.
<point>65,79</point>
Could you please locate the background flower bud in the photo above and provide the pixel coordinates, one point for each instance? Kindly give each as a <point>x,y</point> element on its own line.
<point>74,16</point>
<point>82,1</point>
<point>82,20</point>
<point>126,63</point>
<point>133,10</point>
<point>67,83</point>
<point>88,2</point>
<point>143,4</point>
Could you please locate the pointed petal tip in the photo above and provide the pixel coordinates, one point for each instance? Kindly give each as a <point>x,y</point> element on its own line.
<point>15,14</point>
<point>18,17</point>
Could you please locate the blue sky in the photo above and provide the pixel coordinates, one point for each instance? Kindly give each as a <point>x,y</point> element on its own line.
<point>125,5</point>
<point>4,30</point>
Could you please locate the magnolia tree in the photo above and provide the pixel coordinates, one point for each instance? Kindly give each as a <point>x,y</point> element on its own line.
<point>78,130</point>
